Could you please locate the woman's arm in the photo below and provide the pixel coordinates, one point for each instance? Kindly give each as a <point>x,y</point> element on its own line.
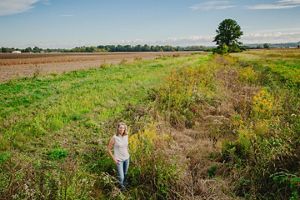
<point>109,147</point>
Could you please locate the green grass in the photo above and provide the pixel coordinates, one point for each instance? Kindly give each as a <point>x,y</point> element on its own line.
<point>273,150</point>
<point>283,63</point>
<point>37,108</point>
<point>287,69</point>
<point>51,124</point>
<point>54,128</point>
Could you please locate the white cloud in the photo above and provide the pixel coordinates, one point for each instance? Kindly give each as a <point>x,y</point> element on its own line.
<point>226,4</point>
<point>272,37</point>
<point>266,36</point>
<point>263,36</point>
<point>213,5</point>
<point>9,7</point>
<point>281,4</point>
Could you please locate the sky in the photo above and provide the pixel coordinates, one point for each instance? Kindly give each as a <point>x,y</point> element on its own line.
<point>70,23</point>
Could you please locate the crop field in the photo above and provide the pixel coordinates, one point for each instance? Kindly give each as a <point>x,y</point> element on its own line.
<point>14,66</point>
<point>201,125</point>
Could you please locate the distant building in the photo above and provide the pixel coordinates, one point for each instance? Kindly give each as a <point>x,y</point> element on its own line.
<point>16,52</point>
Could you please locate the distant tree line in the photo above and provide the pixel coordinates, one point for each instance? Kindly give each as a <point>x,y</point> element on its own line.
<point>26,50</point>
<point>147,48</point>
<point>110,48</point>
<point>278,45</point>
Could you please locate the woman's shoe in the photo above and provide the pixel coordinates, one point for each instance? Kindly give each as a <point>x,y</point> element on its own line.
<point>123,188</point>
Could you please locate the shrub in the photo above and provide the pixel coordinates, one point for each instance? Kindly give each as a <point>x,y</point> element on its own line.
<point>151,170</point>
<point>263,104</point>
<point>288,181</point>
<point>4,156</point>
<point>247,74</point>
<point>182,94</point>
<point>98,161</point>
<point>267,139</point>
<point>224,49</point>
<point>57,154</point>
<point>212,171</point>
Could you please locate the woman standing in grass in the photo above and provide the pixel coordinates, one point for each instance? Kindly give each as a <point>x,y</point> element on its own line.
<point>121,155</point>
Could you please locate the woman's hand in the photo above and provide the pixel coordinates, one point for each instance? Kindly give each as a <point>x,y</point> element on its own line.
<point>116,161</point>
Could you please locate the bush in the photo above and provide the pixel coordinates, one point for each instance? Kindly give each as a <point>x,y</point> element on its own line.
<point>224,49</point>
<point>180,98</point>
<point>247,74</point>
<point>263,104</point>
<point>266,140</point>
<point>98,161</point>
<point>212,171</point>
<point>4,156</point>
<point>234,152</point>
<point>57,154</point>
<point>152,171</point>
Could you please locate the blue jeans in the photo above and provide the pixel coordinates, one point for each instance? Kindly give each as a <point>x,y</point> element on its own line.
<point>122,168</point>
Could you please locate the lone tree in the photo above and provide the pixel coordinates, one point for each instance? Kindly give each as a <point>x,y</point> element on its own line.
<point>227,37</point>
<point>266,46</point>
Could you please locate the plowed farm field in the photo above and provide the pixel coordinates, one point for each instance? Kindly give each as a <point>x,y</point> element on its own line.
<point>14,66</point>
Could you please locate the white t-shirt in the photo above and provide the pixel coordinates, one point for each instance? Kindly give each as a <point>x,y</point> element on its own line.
<point>121,147</point>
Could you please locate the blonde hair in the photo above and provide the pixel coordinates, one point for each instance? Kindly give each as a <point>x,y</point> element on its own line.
<point>122,124</point>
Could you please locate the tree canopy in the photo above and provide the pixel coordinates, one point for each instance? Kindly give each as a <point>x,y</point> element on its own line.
<point>228,34</point>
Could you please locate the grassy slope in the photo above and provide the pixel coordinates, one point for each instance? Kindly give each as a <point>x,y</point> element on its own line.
<point>37,113</point>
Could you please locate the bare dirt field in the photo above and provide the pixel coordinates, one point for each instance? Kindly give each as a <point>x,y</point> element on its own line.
<point>14,66</point>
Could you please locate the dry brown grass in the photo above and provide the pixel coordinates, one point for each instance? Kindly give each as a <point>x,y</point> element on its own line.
<point>193,154</point>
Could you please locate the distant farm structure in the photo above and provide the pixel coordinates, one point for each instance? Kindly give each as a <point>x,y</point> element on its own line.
<point>16,52</point>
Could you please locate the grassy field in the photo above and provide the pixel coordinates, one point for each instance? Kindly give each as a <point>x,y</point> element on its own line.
<point>202,126</point>
<point>42,106</point>
<point>71,110</point>
<point>285,63</point>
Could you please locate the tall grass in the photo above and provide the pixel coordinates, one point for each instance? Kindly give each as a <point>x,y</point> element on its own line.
<point>207,127</point>
<point>253,109</point>
<point>267,147</point>
<point>50,126</point>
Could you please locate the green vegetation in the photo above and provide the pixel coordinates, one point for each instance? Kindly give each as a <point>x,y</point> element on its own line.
<point>201,126</point>
<point>268,136</point>
<point>57,154</point>
<point>227,37</point>
<point>69,118</point>
<point>250,110</point>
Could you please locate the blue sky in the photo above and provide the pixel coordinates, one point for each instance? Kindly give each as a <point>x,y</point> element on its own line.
<point>69,23</point>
